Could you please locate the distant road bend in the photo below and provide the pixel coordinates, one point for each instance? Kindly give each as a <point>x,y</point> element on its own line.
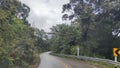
<point>49,61</point>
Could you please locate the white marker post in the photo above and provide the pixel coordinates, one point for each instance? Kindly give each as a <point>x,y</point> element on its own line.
<point>115,58</point>
<point>115,61</point>
<point>78,51</point>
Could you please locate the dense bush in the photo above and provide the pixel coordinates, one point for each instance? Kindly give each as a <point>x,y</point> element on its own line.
<point>18,48</point>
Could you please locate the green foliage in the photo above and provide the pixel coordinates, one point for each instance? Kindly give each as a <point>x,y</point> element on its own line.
<point>42,42</point>
<point>99,22</point>
<point>73,50</point>
<point>65,37</point>
<point>17,39</point>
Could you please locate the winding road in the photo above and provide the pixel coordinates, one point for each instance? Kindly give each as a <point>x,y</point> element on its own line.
<point>49,61</point>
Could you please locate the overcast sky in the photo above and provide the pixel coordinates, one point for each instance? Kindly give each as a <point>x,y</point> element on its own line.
<point>45,13</point>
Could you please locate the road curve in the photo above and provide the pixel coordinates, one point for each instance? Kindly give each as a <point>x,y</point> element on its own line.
<point>49,61</point>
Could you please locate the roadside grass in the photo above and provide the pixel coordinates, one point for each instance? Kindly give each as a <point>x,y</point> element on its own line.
<point>36,62</point>
<point>96,64</point>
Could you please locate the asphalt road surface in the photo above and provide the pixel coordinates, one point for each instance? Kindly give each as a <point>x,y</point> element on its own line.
<point>49,61</point>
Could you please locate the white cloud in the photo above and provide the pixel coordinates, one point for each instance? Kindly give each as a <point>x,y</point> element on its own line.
<point>45,13</point>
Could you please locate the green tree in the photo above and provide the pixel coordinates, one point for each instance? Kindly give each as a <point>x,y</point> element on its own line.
<point>42,42</point>
<point>17,39</point>
<point>65,37</point>
<point>99,21</point>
